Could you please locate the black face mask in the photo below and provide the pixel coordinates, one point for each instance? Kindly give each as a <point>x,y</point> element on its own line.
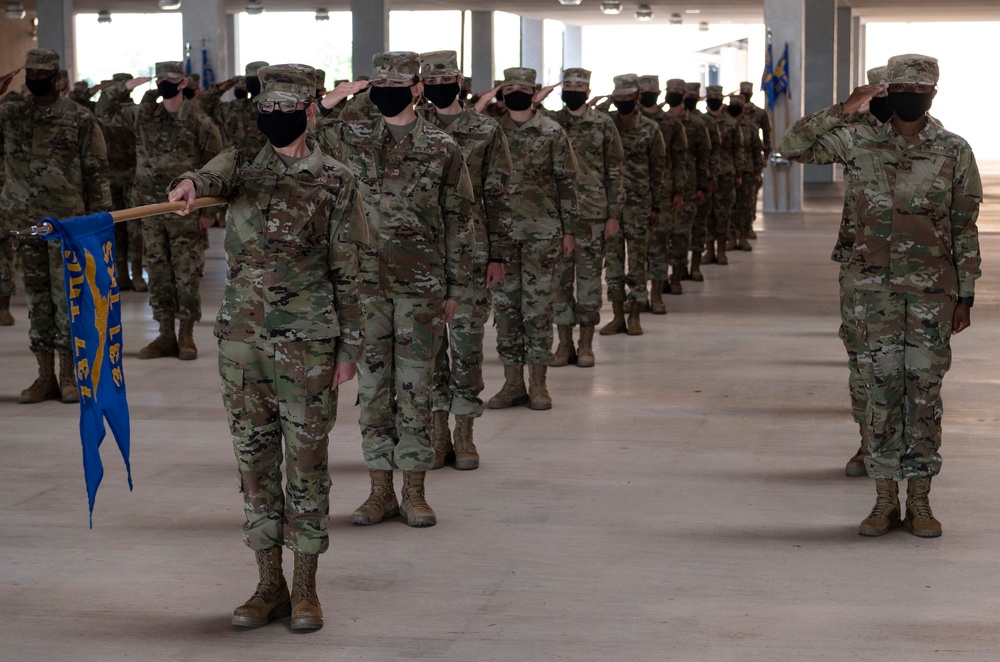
<point>689,104</point>
<point>253,86</point>
<point>735,111</point>
<point>442,96</point>
<point>574,100</point>
<point>746,96</point>
<point>910,106</point>
<point>713,104</point>
<point>879,107</point>
<point>625,107</point>
<point>41,87</point>
<point>648,99</point>
<point>167,89</point>
<point>518,100</point>
<point>282,128</point>
<point>674,99</point>
<point>391,101</point>
<point>188,93</point>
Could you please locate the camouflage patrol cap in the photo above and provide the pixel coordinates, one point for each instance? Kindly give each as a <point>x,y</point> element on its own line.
<point>625,84</point>
<point>194,80</point>
<point>577,75</point>
<point>320,78</point>
<point>254,67</point>
<point>395,67</point>
<point>675,84</point>
<point>519,76</point>
<point>120,77</point>
<point>913,69</point>
<point>42,59</point>
<point>713,91</point>
<point>746,86</point>
<point>439,63</point>
<point>649,83</point>
<point>170,70</point>
<point>694,89</point>
<point>878,75</point>
<point>79,87</point>
<point>287,82</point>
<point>736,100</point>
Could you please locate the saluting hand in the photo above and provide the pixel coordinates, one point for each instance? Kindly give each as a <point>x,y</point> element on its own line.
<point>861,96</point>
<point>541,94</point>
<point>133,83</point>
<point>342,91</point>
<point>183,192</point>
<point>485,99</point>
<point>6,79</point>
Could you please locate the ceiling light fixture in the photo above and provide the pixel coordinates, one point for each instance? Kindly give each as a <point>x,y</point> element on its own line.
<point>254,8</point>
<point>170,5</point>
<point>644,13</point>
<point>692,11</point>
<point>703,26</point>
<point>611,7</point>
<point>675,19</point>
<point>322,15</point>
<point>104,16</point>
<point>570,2</point>
<point>15,11</point>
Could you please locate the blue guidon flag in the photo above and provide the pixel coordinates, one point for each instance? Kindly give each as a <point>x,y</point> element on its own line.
<point>95,325</point>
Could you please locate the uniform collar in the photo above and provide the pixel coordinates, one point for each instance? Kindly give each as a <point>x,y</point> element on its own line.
<point>382,137</point>
<point>268,159</point>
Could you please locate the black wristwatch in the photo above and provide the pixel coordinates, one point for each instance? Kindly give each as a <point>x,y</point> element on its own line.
<point>966,300</point>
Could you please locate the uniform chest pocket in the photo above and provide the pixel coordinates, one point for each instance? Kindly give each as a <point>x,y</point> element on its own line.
<point>414,174</point>
<point>56,138</point>
<point>299,211</point>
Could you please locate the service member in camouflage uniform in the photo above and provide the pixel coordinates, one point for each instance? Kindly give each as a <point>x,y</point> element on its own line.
<point>759,118</point>
<point>458,375</point>
<point>752,166</point>
<point>236,119</point>
<point>675,181</point>
<point>6,240</point>
<point>731,156</point>
<point>644,176</point>
<point>699,174</point>
<point>171,137</point>
<point>600,195</point>
<point>546,216</point>
<point>704,210</point>
<point>56,165</point>
<point>419,201</point>
<point>914,266</point>
<point>290,332</point>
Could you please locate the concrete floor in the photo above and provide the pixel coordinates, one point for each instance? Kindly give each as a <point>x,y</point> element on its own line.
<point>684,500</point>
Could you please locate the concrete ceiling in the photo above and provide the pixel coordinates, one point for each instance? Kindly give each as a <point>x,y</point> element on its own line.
<point>588,12</point>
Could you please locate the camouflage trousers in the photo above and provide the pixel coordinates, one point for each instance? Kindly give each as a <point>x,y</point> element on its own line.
<point>851,338</point>
<point>658,251</point>
<point>402,338</point>
<point>581,268</point>
<point>522,302</point>
<point>458,367</point>
<point>45,288</point>
<point>758,185</point>
<point>7,275</point>
<point>175,255</point>
<point>680,232</point>
<point>723,200</point>
<point>699,226</point>
<point>630,244</point>
<point>745,202</point>
<point>274,392</point>
<point>904,353</point>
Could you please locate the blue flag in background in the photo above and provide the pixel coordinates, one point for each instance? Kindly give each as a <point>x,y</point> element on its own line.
<point>207,72</point>
<point>96,338</point>
<point>767,80</point>
<point>781,76</point>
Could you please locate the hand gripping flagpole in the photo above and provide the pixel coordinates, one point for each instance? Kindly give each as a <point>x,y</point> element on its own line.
<point>44,229</point>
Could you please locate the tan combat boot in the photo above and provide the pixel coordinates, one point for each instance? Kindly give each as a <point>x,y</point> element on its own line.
<point>381,503</point>
<point>165,343</point>
<point>918,509</point>
<point>466,455</point>
<point>696,274</point>
<point>45,387</point>
<point>538,393</point>
<point>271,599</point>
<point>644,305</point>
<point>656,305</point>
<point>565,352</point>
<point>513,392</point>
<point>585,350</point>
<point>6,319</point>
<point>441,439</point>
<point>675,282</point>
<point>69,392</point>
<point>885,515</point>
<point>634,328</point>
<point>720,256</point>
<point>413,505</point>
<point>751,234</point>
<point>138,282</point>
<point>742,243</point>
<point>617,323</point>
<point>186,350</point>
<point>856,465</point>
<point>307,613</point>
<point>709,256</point>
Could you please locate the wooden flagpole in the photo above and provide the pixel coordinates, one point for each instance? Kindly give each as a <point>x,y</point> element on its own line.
<point>132,214</point>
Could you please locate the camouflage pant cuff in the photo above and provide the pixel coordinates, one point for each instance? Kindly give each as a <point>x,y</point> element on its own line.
<point>312,546</point>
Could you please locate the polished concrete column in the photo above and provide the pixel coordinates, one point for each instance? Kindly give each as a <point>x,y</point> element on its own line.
<point>233,42</point>
<point>820,69</point>
<point>55,31</point>
<point>859,35</point>
<point>533,45</point>
<point>371,33</point>
<point>846,71</point>
<point>205,29</point>
<point>786,21</point>
<point>483,59</point>
<point>572,47</point>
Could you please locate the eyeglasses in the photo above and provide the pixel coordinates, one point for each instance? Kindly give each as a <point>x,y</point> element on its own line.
<point>268,107</point>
